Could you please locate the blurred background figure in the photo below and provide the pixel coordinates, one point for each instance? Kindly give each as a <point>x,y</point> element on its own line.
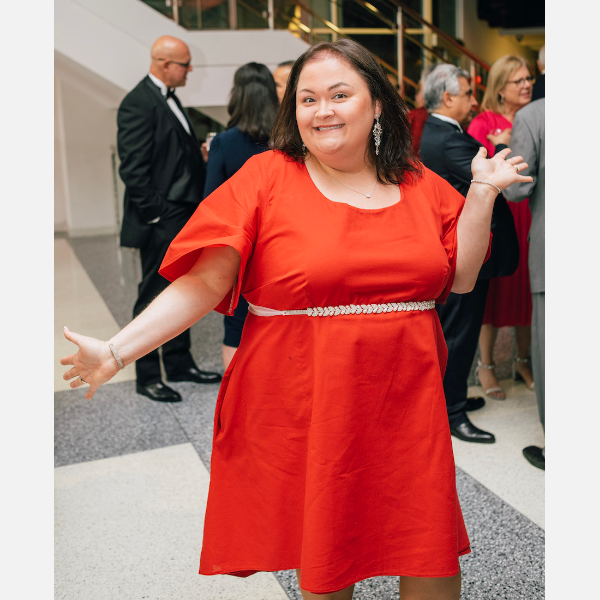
<point>252,107</point>
<point>508,303</point>
<point>163,172</point>
<point>539,87</point>
<point>448,151</point>
<point>418,115</point>
<point>529,141</point>
<point>280,75</point>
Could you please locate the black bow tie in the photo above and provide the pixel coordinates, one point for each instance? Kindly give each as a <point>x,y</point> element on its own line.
<point>171,94</point>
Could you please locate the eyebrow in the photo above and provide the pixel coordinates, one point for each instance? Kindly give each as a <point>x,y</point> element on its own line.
<point>335,85</point>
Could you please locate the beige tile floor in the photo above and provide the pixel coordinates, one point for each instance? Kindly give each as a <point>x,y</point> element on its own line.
<point>140,517</point>
<point>501,467</point>
<point>79,306</point>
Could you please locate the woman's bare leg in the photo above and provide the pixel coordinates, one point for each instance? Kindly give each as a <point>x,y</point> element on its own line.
<point>345,594</point>
<point>487,377</point>
<point>228,352</point>
<point>430,588</point>
<point>523,339</point>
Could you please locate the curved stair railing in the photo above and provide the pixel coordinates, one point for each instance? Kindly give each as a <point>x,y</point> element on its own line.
<point>419,37</point>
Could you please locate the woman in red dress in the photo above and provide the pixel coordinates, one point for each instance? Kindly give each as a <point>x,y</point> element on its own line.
<point>331,447</point>
<point>509,298</point>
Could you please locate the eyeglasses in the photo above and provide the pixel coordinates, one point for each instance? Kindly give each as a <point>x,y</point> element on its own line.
<point>520,82</point>
<point>185,64</point>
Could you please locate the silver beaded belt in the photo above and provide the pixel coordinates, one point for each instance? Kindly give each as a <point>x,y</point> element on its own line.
<point>348,309</point>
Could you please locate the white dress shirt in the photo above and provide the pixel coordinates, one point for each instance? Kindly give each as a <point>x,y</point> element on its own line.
<point>448,120</point>
<point>172,104</point>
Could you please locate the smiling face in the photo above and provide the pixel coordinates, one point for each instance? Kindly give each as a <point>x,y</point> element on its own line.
<point>334,110</point>
<point>517,94</point>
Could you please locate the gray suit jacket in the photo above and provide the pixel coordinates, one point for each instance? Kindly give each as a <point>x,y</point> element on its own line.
<point>529,141</point>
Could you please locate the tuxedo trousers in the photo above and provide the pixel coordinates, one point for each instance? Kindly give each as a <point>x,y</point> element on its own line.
<point>461,318</point>
<point>176,354</point>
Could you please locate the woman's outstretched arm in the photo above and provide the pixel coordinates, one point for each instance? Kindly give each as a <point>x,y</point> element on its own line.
<point>473,229</point>
<point>176,309</point>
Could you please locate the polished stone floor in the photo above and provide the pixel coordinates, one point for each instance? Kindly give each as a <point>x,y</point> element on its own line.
<point>131,476</point>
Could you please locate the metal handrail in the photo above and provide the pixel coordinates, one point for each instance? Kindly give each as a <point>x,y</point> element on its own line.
<point>448,38</point>
<point>335,31</point>
<point>339,32</point>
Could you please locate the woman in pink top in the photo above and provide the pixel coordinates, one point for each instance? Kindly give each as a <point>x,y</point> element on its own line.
<point>509,88</point>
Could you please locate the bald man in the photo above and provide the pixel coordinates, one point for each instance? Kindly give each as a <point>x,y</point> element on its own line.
<point>164,172</point>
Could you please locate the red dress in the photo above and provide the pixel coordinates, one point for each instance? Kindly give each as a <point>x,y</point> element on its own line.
<point>417,118</point>
<point>331,445</point>
<point>509,298</point>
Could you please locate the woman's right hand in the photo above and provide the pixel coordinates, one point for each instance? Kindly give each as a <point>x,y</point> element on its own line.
<point>502,138</point>
<point>94,362</point>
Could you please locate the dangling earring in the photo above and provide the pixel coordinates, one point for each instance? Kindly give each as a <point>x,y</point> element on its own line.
<point>303,148</point>
<point>501,98</point>
<point>377,131</point>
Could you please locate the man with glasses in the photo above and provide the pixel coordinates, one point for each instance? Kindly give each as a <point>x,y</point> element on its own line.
<point>164,172</point>
<point>448,150</point>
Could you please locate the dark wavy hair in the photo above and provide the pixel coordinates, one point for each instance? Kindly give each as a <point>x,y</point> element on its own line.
<point>396,157</point>
<point>253,102</point>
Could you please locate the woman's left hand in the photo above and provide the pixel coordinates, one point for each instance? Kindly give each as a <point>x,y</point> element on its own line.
<point>499,170</point>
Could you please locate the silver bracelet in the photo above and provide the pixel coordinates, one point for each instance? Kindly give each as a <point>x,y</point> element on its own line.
<point>119,361</point>
<point>488,183</point>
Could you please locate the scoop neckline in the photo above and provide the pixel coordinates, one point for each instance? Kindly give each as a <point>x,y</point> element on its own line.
<point>369,210</point>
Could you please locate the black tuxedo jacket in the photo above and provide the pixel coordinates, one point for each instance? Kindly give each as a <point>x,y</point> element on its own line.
<point>539,88</point>
<point>448,152</point>
<point>160,161</point>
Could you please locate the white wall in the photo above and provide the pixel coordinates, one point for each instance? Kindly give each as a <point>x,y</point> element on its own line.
<point>89,133</point>
<point>112,40</point>
<point>60,164</point>
<point>101,51</point>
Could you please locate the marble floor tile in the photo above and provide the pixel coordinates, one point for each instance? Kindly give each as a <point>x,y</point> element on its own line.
<point>501,467</point>
<point>131,527</point>
<point>78,305</point>
<point>114,422</point>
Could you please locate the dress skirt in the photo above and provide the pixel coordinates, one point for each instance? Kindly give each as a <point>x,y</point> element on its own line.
<point>331,448</point>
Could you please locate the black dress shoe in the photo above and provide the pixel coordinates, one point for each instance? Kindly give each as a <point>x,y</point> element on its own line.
<point>467,432</point>
<point>475,403</point>
<point>534,455</point>
<point>196,376</point>
<point>158,391</point>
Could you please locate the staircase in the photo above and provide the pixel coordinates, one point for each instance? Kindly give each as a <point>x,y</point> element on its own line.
<point>103,46</point>
<point>402,40</point>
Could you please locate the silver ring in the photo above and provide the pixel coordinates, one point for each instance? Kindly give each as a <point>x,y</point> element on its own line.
<point>82,379</point>
<point>516,168</point>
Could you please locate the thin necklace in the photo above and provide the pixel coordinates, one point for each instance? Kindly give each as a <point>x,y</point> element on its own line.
<point>348,188</point>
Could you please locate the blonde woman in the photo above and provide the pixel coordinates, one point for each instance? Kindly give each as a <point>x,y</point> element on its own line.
<point>508,304</point>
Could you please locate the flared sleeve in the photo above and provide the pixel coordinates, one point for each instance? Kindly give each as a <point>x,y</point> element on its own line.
<point>228,217</point>
<point>450,204</point>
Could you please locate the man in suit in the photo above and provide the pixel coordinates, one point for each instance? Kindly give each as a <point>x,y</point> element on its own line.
<point>164,173</point>
<point>448,151</point>
<point>529,141</point>
<point>539,87</point>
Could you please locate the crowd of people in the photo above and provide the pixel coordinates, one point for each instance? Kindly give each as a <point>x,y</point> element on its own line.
<point>447,134</point>
<point>356,272</point>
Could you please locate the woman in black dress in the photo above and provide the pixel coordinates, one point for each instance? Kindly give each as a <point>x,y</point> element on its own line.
<point>252,107</point>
